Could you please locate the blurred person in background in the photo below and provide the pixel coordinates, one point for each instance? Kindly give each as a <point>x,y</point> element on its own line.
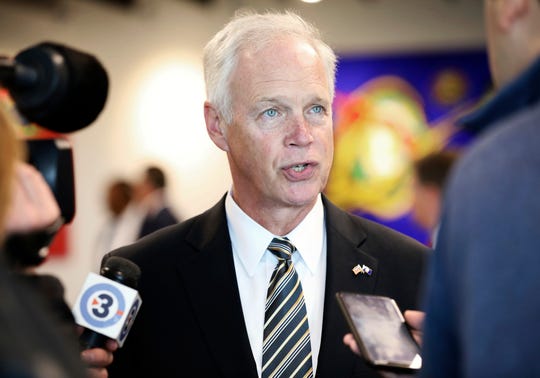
<point>118,196</point>
<point>430,174</point>
<point>146,211</point>
<point>151,197</point>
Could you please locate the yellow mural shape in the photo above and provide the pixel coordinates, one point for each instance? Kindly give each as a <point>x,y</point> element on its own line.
<point>380,129</point>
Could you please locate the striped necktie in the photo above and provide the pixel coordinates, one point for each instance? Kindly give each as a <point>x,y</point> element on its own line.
<point>286,345</point>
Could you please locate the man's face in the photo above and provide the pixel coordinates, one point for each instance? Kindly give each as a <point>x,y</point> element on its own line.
<point>280,142</point>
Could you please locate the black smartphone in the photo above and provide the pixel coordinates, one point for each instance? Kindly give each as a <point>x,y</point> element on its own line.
<point>380,331</point>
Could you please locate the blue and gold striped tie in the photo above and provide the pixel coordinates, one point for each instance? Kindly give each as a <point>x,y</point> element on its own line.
<point>286,345</point>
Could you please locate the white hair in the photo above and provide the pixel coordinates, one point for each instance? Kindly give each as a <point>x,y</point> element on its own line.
<point>252,30</point>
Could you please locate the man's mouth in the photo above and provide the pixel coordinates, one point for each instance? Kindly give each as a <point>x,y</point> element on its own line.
<point>299,167</point>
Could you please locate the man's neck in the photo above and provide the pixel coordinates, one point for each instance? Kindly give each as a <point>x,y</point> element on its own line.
<point>278,220</point>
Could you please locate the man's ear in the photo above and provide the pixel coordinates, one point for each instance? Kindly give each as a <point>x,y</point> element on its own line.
<point>509,11</point>
<point>215,126</point>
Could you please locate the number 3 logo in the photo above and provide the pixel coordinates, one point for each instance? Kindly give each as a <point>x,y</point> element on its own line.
<point>103,310</point>
<point>102,305</point>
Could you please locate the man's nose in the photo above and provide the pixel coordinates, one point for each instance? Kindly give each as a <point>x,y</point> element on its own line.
<point>300,132</point>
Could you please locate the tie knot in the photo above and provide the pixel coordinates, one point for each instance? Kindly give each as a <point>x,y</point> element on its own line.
<point>282,248</point>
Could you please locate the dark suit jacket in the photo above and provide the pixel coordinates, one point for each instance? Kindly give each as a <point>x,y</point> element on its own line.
<point>191,322</point>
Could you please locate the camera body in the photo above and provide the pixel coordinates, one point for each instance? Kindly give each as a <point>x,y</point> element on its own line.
<point>53,158</point>
<point>63,90</point>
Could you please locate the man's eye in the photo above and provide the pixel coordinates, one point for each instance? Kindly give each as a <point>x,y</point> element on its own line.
<point>317,109</point>
<point>270,113</point>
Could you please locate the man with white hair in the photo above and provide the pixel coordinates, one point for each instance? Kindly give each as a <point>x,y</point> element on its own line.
<point>247,289</point>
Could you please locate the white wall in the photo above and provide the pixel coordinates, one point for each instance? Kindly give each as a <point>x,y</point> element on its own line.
<point>154,108</point>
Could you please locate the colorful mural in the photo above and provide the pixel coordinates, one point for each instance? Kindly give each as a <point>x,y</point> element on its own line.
<point>390,111</point>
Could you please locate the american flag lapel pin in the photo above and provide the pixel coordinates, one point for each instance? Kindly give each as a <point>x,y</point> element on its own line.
<point>364,269</point>
<point>367,270</point>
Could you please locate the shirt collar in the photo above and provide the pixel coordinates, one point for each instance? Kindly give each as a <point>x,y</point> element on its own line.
<point>250,240</point>
<point>308,236</point>
<point>518,94</point>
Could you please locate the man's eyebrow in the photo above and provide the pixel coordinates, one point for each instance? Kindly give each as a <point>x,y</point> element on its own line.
<point>269,99</point>
<point>321,101</point>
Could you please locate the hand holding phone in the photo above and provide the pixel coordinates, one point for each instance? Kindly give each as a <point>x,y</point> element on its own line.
<point>380,331</point>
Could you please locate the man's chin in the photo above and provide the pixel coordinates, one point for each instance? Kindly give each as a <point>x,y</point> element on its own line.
<point>302,198</point>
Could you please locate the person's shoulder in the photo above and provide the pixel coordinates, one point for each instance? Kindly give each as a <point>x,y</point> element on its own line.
<point>506,137</point>
<point>506,150</point>
<point>167,216</point>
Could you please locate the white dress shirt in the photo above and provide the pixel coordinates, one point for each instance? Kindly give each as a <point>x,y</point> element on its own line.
<point>254,265</point>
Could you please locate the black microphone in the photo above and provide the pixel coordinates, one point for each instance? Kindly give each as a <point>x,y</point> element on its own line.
<point>55,86</point>
<point>108,303</point>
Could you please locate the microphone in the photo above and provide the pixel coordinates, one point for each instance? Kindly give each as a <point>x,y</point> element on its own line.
<point>108,303</point>
<point>55,86</point>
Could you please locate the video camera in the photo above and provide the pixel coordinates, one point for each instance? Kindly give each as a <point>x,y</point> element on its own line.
<point>63,90</point>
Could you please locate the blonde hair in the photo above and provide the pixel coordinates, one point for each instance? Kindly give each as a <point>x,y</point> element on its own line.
<point>10,151</point>
<point>252,30</point>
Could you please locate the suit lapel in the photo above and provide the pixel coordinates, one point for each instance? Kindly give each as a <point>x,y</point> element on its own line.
<point>210,280</point>
<point>344,252</point>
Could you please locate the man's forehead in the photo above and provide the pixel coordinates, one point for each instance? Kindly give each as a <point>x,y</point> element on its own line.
<point>278,46</point>
<point>269,70</point>
<point>283,71</point>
